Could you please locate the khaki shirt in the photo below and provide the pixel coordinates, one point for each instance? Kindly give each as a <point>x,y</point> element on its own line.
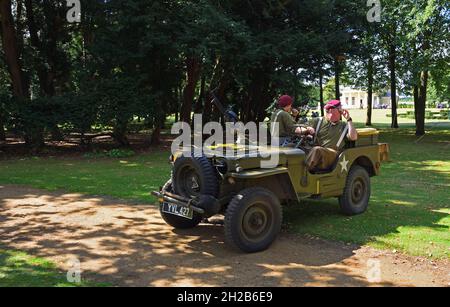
<point>287,124</point>
<point>329,134</point>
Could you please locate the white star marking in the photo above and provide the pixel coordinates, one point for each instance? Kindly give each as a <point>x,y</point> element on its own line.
<point>344,165</point>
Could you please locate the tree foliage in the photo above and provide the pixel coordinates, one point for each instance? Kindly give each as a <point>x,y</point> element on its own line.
<point>144,60</point>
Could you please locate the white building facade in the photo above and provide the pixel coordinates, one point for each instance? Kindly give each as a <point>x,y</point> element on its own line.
<point>358,99</point>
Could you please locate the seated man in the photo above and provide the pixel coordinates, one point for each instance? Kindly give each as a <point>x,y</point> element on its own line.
<point>330,136</point>
<point>286,123</point>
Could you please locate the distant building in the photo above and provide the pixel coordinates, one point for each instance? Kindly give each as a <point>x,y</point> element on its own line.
<point>358,99</point>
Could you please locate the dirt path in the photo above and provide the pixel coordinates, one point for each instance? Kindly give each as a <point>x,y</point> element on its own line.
<point>129,245</point>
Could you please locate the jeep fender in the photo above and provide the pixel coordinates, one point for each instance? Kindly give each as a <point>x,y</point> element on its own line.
<point>276,180</point>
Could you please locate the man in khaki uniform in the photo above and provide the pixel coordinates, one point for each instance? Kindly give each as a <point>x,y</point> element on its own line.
<point>330,136</point>
<point>287,127</point>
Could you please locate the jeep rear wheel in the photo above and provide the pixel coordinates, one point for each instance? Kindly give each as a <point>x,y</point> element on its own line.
<point>253,220</point>
<point>177,221</point>
<point>355,199</point>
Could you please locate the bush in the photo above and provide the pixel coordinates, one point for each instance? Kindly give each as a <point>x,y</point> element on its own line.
<point>404,106</point>
<point>431,104</point>
<point>120,153</point>
<point>114,153</point>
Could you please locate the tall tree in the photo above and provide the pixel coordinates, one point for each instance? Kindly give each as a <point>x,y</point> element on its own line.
<point>46,31</point>
<point>393,80</point>
<point>11,52</point>
<point>427,45</point>
<point>393,16</point>
<point>32,132</point>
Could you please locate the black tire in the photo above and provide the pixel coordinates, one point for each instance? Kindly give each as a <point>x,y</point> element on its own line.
<point>176,221</point>
<point>253,220</point>
<point>355,199</point>
<point>194,176</point>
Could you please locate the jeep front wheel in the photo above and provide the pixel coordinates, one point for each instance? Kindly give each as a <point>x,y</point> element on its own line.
<point>355,198</point>
<point>253,220</point>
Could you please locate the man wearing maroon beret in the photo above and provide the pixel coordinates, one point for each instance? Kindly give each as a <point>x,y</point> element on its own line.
<point>330,135</point>
<point>287,127</point>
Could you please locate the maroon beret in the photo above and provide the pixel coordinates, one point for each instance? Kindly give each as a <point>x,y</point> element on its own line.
<point>333,104</point>
<point>285,101</point>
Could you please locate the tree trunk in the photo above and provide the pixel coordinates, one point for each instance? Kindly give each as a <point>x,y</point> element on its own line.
<point>119,133</point>
<point>207,109</point>
<point>46,87</point>
<point>56,133</point>
<point>256,93</point>
<point>19,27</point>
<point>2,129</point>
<point>33,134</point>
<point>201,97</point>
<point>421,90</point>
<point>266,99</point>
<point>34,137</point>
<point>421,104</point>
<point>416,101</point>
<point>177,107</point>
<point>216,82</point>
<point>322,103</point>
<point>10,49</point>
<point>369,92</point>
<point>392,62</point>
<point>223,85</point>
<point>337,76</point>
<point>156,136</point>
<point>193,75</point>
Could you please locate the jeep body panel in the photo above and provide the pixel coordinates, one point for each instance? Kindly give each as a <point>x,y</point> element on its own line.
<point>305,184</point>
<point>259,173</point>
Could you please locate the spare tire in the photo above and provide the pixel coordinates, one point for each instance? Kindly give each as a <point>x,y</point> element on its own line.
<point>195,176</point>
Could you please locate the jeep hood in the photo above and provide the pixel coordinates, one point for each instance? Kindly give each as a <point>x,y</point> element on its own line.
<point>238,152</point>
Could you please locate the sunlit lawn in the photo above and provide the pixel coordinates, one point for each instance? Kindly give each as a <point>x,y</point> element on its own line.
<point>409,209</point>
<point>130,178</point>
<point>18,269</point>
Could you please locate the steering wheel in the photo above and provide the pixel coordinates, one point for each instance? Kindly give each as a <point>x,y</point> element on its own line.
<point>303,141</point>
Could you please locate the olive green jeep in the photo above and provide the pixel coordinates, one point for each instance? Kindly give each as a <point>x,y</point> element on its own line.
<point>250,196</point>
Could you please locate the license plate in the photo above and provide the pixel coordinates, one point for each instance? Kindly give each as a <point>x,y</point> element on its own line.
<point>177,210</point>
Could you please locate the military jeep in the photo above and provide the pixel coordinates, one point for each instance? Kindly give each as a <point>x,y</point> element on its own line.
<point>250,197</point>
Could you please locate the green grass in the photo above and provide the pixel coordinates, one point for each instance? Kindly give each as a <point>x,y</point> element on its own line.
<point>128,178</point>
<point>18,269</point>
